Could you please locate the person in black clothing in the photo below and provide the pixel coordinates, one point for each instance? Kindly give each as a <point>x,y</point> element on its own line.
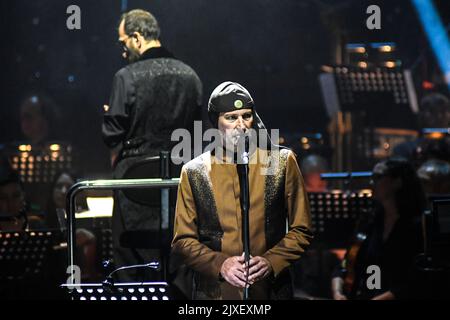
<point>151,97</point>
<point>393,236</point>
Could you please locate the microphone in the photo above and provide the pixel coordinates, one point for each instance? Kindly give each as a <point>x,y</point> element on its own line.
<point>108,283</point>
<point>243,171</point>
<point>245,155</point>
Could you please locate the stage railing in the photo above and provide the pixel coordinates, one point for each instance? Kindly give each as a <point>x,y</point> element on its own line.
<point>118,184</point>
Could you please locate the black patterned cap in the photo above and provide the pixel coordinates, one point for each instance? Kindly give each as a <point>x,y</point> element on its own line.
<point>229,96</point>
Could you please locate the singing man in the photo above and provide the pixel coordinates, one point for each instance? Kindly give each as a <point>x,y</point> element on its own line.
<point>207,248</point>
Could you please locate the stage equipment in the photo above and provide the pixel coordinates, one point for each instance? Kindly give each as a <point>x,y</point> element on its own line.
<point>371,111</point>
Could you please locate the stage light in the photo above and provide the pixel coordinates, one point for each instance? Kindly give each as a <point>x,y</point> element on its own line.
<point>356,48</point>
<point>40,163</point>
<point>55,147</point>
<point>24,147</point>
<point>436,33</point>
<point>385,49</point>
<point>362,64</point>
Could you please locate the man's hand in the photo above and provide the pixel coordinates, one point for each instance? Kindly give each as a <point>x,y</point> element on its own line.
<point>259,268</point>
<point>233,271</point>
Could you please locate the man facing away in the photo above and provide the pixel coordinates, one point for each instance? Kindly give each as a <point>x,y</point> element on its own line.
<point>151,97</point>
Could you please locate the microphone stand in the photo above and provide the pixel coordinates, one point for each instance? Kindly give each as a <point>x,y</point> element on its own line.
<point>245,206</point>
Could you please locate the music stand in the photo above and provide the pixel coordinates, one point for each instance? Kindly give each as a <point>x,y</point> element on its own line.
<point>27,261</point>
<point>353,88</point>
<point>136,291</point>
<point>37,165</point>
<point>335,213</point>
<point>359,100</point>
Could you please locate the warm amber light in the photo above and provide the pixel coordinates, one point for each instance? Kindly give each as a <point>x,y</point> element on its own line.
<point>386,49</point>
<point>389,64</point>
<point>55,147</point>
<point>357,49</point>
<point>435,135</point>
<point>25,147</point>
<point>362,64</point>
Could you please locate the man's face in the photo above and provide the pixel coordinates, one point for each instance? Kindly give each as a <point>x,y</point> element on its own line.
<point>130,52</point>
<point>11,199</point>
<point>234,124</point>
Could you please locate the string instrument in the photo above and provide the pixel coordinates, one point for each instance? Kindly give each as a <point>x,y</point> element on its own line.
<point>351,256</point>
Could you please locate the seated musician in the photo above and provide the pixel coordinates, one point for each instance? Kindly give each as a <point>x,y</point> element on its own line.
<point>391,238</point>
<point>12,217</point>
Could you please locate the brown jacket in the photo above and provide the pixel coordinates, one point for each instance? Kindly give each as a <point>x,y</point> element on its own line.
<point>208,222</point>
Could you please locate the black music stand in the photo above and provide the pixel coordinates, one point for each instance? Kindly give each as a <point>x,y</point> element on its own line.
<point>139,291</point>
<point>39,164</point>
<point>362,101</point>
<point>37,167</point>
<point>376,91</point>
<point>335,213</point>
<point>27,261</point>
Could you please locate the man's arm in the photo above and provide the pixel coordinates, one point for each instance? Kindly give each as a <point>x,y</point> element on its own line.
<point>186,247</point>
<point>299,235</point>
<point>337,288</point>
<point>116,121</point>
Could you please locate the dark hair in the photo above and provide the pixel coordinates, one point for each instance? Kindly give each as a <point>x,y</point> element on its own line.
<point>47,108</point>
<point>435,100</point>
<point>52,219</point>
<point>313,163</point>
<point>410,198</point>
<point>141,21</point>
